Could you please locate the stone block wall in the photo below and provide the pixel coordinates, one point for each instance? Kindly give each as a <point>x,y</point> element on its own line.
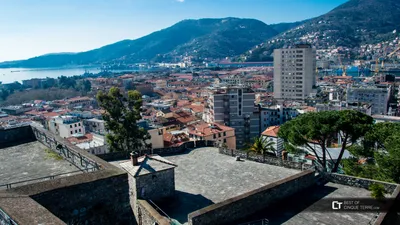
<point>360,182</point>
<point>16,135</point>
<point>157,185</point>
<point>104,201</point>
<point>246,204</point>
<point>155,188</point>
<point>159,151</point>
<point>149,216</point>
<point>392,216</point>
<point>265,159</point>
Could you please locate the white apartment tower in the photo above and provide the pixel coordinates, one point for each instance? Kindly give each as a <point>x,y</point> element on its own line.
<point>294,72</point>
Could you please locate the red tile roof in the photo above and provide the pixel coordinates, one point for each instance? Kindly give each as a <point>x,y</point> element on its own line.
<point>84,138</point>
<point>271,131</point>
<point>204,129</point>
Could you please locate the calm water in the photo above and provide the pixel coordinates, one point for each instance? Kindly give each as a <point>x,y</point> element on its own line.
<point>6,76</point>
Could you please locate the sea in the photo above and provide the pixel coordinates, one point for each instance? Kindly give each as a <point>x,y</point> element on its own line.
<point>11,75</point>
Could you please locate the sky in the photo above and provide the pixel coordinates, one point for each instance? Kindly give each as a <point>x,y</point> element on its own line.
<point>30,28</point>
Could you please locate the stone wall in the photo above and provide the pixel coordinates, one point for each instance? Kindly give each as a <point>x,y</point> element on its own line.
<point>100,195</point>
<point>160,151</point>
<point>5,219</point>
<point>16,135</point>
<point>265,159</point>
<point>360,182</point>
<point>149,216</point>
<point>157,185</point>
<point>148,186</point>
<point>103,201</point>
<point>246,204</point>
<point>392,216</point>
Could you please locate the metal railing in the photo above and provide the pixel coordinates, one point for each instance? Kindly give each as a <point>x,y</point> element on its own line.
<point>257,222</point>
<point>75,158</point>
<point>159,209</point>
<point>30,181</point>
<point>5,219</point>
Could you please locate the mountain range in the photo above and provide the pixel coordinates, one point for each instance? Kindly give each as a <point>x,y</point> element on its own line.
<point>216,38</point>
<point>350,25</point>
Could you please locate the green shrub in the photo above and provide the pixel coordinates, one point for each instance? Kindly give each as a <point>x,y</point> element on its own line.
<point>377,191</point>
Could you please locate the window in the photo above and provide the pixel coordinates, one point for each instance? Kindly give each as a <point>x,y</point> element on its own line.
<point>219,134</point>
<point>224,133</point>
<point>265,113</point>
<point>70,126</point>
<point>72,132</point>
<point>214,136</point>
<point>75,125</point>
<point>80,130</point>
<point>76,131</point>
<point>224,140</point>
<point>232,96</point>
<point>79,124</point>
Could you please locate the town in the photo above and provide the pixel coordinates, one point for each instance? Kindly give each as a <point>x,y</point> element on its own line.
<point>209,128</point>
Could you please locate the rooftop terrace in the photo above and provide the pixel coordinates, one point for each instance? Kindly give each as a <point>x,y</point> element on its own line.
<point>31,161</point>
<point>303,208</point>
<point>204,177</point>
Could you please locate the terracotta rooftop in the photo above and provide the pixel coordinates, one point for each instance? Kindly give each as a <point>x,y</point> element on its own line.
<point>184,117</point>
<point>78,99</point>
<point>271,131</point>
<point>196,108</point>
<point>204,129</point>
<point>85,138</point>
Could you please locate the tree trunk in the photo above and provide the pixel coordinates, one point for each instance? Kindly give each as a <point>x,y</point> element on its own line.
<point>341,154</point>
<point>323,148</point>
<point>263,156</point>
<point>316,155</point>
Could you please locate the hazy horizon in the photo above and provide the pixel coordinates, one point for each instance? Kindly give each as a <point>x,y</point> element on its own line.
<point>34,28</point>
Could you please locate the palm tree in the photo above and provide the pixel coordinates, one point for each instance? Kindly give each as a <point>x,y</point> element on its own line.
<point>262,145</point>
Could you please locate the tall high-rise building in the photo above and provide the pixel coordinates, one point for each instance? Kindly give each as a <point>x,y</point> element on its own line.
<point>294,72</point>
<point>234,106</point>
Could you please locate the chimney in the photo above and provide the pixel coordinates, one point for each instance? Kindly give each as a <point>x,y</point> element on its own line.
<point>134,158</point>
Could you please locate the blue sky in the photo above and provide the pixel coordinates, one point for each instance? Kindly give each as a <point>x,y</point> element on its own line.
<point>35,27</point>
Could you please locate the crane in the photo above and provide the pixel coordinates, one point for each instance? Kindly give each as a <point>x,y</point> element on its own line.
<point>392,53</point>
<point>344,74</point>
<point>386,56</point>
<point>377,67</point>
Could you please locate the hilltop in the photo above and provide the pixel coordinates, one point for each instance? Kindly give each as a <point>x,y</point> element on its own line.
<point>216,38</point>
<point>350,25</point>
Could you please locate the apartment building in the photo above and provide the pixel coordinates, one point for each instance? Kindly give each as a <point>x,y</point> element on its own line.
<point>84,102</point>
<point>276,115</point>
<point>95,125</point>
<point>377,96</point>
<point>238,79</point>
<point>271,134</point>
<point>66,126</point>
<point>222,135</point>
<point>294,72</point>
<point>233,106</point>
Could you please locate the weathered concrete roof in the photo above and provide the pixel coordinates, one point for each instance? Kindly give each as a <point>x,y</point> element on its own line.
<point>31,161</point>
<point>204,177</point>
<point>304,207</point>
